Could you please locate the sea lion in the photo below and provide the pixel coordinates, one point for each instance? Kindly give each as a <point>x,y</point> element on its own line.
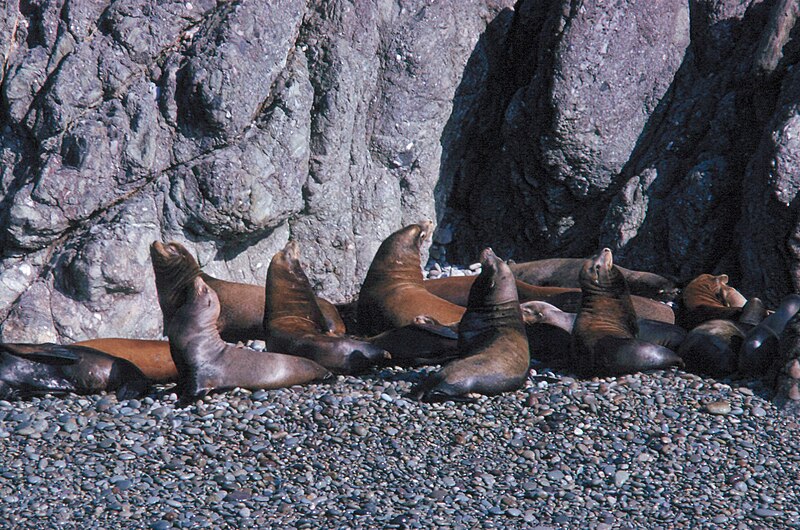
<point>563,272</point>
<point>540,317</point>
<point>242,305</point>
<point>761,345</point>
<point>455,289</point>
<point>604,334</point>
<point>295,325</point>
<point>709,297</point>
<point>207,363</point>
<point>423,342</point>
<point>152,357</point>
<point>491,340</point>
<point>644,307</point>
<point>33,369</point>
<point>393,294</point>
<point>711,347</point>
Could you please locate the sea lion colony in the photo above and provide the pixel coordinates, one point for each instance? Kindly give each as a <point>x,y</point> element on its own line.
<point>586,316</point>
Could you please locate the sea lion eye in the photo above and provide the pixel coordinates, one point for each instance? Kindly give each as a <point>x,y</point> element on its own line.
<point>422,234</point>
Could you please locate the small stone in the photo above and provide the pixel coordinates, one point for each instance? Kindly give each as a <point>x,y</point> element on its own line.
<point>758,412</point>
<point>718,407</point>
<point>767,512</point>
<point>621,477</point>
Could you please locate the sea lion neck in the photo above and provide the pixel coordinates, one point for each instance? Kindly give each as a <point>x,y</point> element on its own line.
<point>289,292</point>
<point>194,324</point>
<point>175,269</point>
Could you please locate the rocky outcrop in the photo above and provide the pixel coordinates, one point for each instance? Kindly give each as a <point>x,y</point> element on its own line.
<point>230,127</point>
<point>662,129</point>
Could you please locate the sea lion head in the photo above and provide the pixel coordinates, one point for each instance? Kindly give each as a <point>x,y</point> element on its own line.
<point>495,285</point>
<point>599,274</point>
<point>403,247</point>
<point>174,269</point>
<point>170,256</point>
<point>537,312</point>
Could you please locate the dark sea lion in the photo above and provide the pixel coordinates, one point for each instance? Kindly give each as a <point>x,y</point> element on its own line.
<point>207,363</point>
<point>295,325</point>
<point>709,297</point>
<point>553,347</point>
<point>761,345</point>
<point>33,369</point>
<point>152,357</point>
<point>242,305</point>
<point>393,293</point>
<point>712,347</point>
<point>563,272</point>
<point>604,335</point>
<point>491,340</point>
<point>423,342</point>
<point>455,289</point>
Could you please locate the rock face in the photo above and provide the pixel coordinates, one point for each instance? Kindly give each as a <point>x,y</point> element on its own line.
<point>663,130</point>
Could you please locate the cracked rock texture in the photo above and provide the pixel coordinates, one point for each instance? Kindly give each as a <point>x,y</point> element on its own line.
<point>665,129</point>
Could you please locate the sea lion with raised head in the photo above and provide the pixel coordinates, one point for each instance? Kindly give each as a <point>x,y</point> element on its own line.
<point>206,363</point>
<point>393,294</point>
<point>563,272</point>
<point>493,347</point>
<point>604,334</point>
<point>242,305</point>
<point>295,325</point>
<point>709,297</point>
<point>34,369</point>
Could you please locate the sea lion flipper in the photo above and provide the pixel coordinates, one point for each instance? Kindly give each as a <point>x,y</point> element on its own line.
<point>430,325</point>
<point>47,353</point>
<point>133,389</point>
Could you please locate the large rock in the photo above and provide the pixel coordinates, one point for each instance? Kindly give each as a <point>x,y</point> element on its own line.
<point>229,127</point>
<point>667,131</point>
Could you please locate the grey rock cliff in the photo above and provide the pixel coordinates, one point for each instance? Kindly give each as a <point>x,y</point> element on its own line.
<point>665,130</point>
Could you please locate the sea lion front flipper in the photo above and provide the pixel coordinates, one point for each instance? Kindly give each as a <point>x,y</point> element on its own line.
<point>429,324</point>
<point>47,353</point>
<point>625,356</point>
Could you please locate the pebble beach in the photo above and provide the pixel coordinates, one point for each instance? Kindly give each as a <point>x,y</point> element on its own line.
<point>660,450</point>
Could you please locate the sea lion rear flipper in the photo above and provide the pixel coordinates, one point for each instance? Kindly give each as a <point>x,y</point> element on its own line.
<point>47,353</point>
<point>133,389</point>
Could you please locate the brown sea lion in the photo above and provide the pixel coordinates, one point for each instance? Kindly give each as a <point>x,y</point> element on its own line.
<point>206,363</point>
<point>455,289</point>
<point>709,297</point>
<point>553,346</point>
<point>33,369</point>
<point>242,313</point>
<point>393,294</point>
<point>604,334</point>
<point>563,272</point>
<point>295,325</point>
<point>491,340</point>
<point>152,357</point>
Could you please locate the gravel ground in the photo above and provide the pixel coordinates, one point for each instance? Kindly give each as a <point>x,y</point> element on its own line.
<point>638,451</point>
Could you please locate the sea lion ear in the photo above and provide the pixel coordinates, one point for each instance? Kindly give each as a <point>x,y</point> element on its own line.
<point>723,279</point>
